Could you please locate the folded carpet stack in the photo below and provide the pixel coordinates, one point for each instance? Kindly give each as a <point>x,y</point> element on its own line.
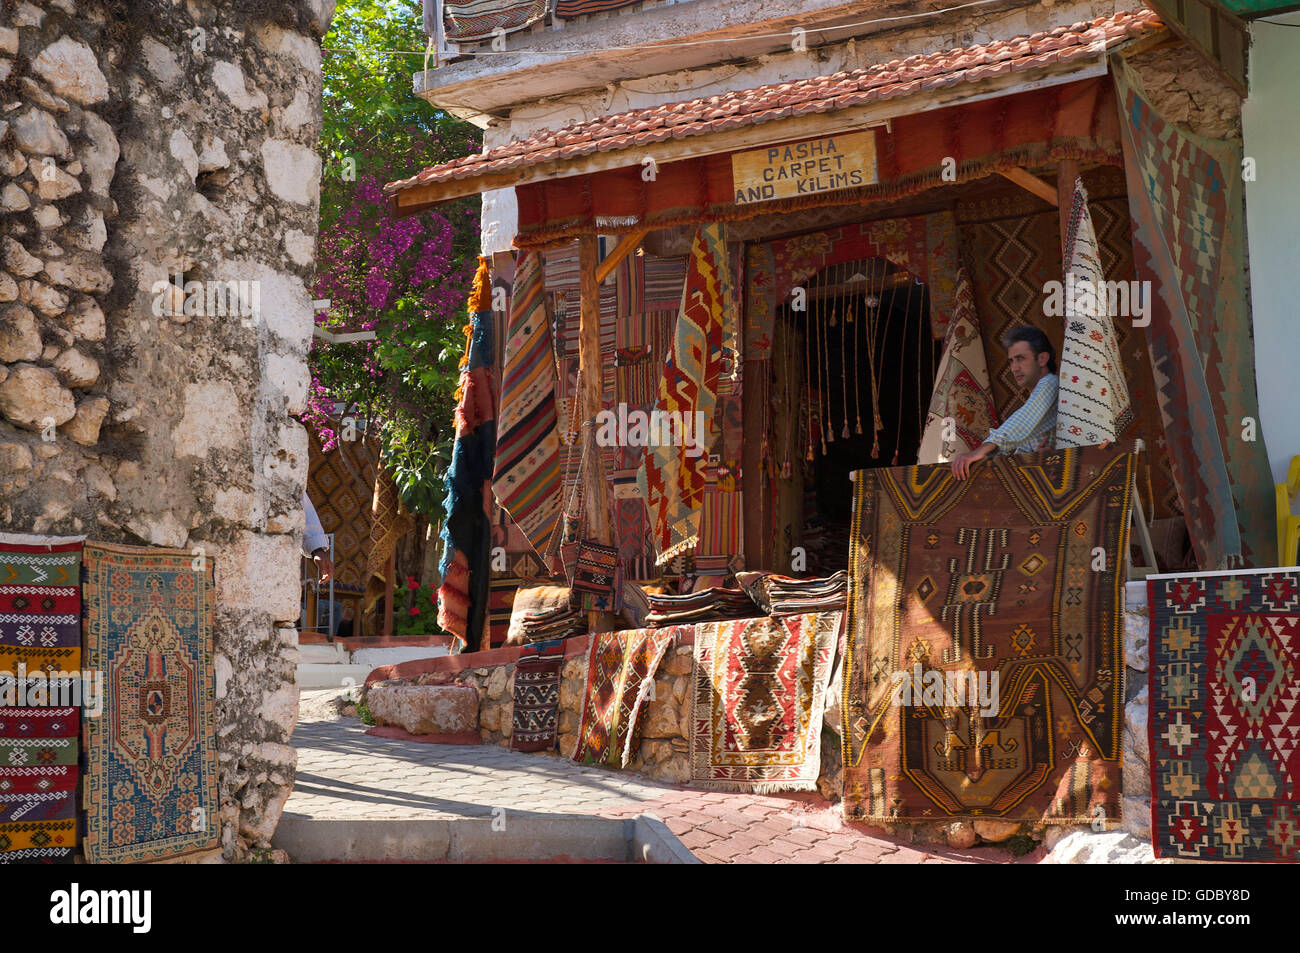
<point>704,606</point>
<point>786,595</point>
<point>558,622</point>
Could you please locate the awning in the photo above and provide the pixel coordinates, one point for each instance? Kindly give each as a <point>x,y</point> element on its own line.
<point>801,109</point>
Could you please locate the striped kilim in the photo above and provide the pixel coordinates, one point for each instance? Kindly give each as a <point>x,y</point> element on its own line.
<point>40,607</point>
<point>38,784</point>
<point>527,476</point>
<point>672,480</point>
<point>621,668</point>
<point>758,701</point>
<point>536,697</point>
<point>582,8</point>
<point>480,19</point>
<point>984,664</point>
<point>1092,402</point>
<point>1185,196</point>
<point>1224,723</point>
<point>151,757</point>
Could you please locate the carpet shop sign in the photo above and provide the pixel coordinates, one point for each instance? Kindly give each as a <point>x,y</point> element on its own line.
<point>804,168</point>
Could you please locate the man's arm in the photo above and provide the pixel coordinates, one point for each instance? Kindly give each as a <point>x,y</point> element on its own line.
<point>1016,429</point>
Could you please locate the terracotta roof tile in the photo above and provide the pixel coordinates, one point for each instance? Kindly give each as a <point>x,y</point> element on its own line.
<point>889,80</point>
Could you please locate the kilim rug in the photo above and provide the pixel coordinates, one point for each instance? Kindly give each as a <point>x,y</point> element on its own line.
<point>671,481</point>
<point>535,719</point>
<point>581,8</point>
<point>151,757</point>
<point>961,386</point>
<point>1011,580</point>
<point>479,19</point>
<point>38,782</point>
<point>760,693</point>
<point>527,477</point>
<point>1223,725</point>
<point>341,485</point>
<point>597,582</point>
<point>621,668</point>
<point>40,612</point>
<point>1185,197</point>
<point>1092,404</point>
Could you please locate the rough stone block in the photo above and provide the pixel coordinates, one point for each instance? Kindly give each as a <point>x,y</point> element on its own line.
<point>425,709</point>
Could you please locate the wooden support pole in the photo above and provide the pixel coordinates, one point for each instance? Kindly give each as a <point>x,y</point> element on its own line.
<point>1066,173</point>
<point>1031,183</point>
<point>595,487</point>
<point>626,245</point>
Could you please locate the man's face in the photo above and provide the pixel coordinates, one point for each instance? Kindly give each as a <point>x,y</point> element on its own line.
<point>1026,366</point>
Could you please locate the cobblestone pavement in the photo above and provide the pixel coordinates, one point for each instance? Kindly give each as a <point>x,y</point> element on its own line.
<point>344,773</point>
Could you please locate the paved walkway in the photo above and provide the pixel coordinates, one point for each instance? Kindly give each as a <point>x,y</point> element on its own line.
<point>345,774</point>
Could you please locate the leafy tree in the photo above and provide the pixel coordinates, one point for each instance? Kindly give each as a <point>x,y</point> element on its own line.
<point>405,279</point>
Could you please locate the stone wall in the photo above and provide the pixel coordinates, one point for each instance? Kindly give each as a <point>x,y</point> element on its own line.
<point>144,142</point>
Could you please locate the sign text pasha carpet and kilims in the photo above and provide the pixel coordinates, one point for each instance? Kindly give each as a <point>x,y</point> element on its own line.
<point>804,168</point>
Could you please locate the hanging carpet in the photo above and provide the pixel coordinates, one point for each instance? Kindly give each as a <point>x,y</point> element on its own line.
<point>40,606</point>
<point>38,782</point>
<point>621,668</point>
<point>465,20</point>
<point>536,696</point>
<point>984,668</point>
<point>760,693</point>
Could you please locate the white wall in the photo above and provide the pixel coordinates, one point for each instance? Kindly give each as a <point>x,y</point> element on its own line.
<point>1271,131</point>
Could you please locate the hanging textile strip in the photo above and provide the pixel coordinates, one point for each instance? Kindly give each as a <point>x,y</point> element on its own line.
<point>1071,121</point>
<point>984,664</point>
<point>1093,405</point>
<point>568,9</point>
<point>151,757</point>
<point>467,534</point>
<point>480,19</point>
<point>340,484</point>
<point>961,386</point>
<point>621,668</point>
<point>534,723</point>
<point>38,784</point>
<point>671,478</point>
<point>527,477</point>
<point>40,615</point>
<point>1186,204</point>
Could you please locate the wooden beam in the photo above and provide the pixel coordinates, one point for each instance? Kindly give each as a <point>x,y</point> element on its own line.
<point>1066,174</point>
<point>626,245</point>
<point>595,487</point>
<point>1031,183</point>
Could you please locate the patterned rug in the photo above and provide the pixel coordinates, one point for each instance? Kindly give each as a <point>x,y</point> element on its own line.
<point>151,757</point>
<point>671,481</point>
<point>961,386</point>
<point>620,667</point>
<point>1093,403</point>
<point>1224,723</point>
<point>40,606</point>
<point>582,8</point>
<point>760,693</point>
<point>535,718</point>
<point>1185,197</point>
<point>341,485</point>
<point>527,477</point>
<point>984,652</point>
<point>38,784</point>
<point>479,19</point>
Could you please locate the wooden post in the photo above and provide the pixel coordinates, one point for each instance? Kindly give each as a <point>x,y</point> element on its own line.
<point>1066,173</point>
<point>388,594</point>
<point>595,486</point>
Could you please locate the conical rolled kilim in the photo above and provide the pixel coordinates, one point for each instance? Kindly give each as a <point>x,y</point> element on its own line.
<point>672,476</point>
<point>467,534</point>
<point>527,477</point>
<point>1093,404</point>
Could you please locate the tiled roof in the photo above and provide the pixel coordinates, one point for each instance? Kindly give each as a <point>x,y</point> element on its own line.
<point>708,114</point>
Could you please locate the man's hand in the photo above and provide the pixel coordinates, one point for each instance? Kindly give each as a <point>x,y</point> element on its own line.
<point>324,565</point>
<point>963,462</point>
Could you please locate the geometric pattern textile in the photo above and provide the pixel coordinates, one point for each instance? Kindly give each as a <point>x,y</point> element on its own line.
<point>621,668</point>
<point>760,693</point>
<point>582,8</point>
<point>961,385</point>
<point>479,19</point>
<point>340,484</point>
<point>536,696</point>
<point>151,757</point>
<point>1224,724</point>
<point>527,477</point>
<point>1185,199</point>
<point>1092,403</point>
<point>984,665</point>
<point>38,781</point>
<point>40,609</point>
<point>671,479</point>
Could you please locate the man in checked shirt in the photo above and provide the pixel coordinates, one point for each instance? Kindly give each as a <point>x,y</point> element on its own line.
<point>1033,365</point>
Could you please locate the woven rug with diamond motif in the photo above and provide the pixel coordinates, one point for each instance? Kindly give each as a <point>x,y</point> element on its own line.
<point>621,668</point>
<point>983,671</point>
<point>758,700</point>
<point>536,696</point>
<point>151,757</point>
<point>1224,726</point>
